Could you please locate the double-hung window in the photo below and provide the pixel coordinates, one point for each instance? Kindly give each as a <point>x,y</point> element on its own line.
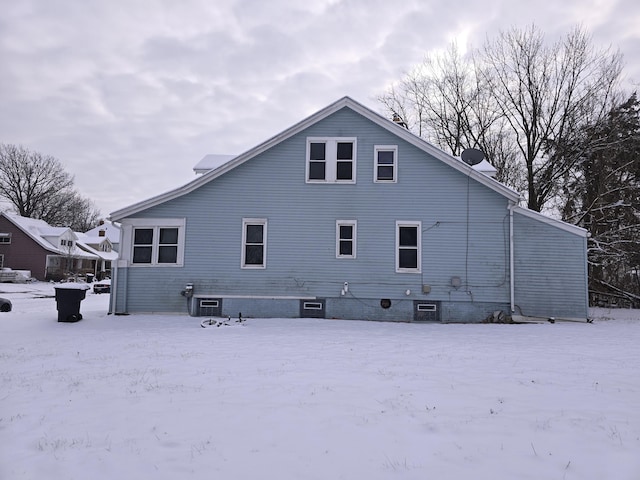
<point>331,160</point>
<point>254,243</point>
<point>346,239</point>
<point>157,245</point>
<point>408,247</point>
<point>5,237</point>
<point>385,163</point>
<point>155,242</point>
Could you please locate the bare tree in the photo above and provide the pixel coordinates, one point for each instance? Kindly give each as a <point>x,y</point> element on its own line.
<point>515,99</point>
<point>448,102</point>
<point>547,93</point>
<point>602,194</point>
<point>38,187</point>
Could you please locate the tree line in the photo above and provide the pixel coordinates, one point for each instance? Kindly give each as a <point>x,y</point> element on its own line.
<point>37,186</point>
<point>552,118</point>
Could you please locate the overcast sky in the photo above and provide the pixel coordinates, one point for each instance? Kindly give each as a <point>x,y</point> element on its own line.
<point>130,95</point>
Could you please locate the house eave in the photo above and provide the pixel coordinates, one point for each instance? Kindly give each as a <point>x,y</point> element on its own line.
<point>300,126</point>
<point>552,221</point>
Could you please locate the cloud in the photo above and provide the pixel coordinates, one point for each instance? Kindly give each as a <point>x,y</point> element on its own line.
<point>130,95</point>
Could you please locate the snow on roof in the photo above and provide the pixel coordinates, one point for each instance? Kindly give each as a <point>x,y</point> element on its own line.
<point>39,231</point>
<point>112,231</point>
<point>211,161</point>
<point>485,167</point>
<point>85,242</point>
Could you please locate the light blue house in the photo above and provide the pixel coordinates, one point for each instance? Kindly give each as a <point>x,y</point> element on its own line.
<point>347,215</point>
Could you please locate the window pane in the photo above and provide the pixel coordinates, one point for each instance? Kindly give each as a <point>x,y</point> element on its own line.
<point>143,236</point>
<point>409,236</point>
<point>254,233</point>
<point>316,151</point>
<point>345,151</point>
<point>346,232</point>
<point>408,258</point>
<point>253,255</point>
<point>141,254</point>
<point>343,171</point>
<point>168,254</point>
<point>385,173</point>
<point>316,171</point>
<point>346,247</point>
<point>169,235</point>
<point>385,157</point>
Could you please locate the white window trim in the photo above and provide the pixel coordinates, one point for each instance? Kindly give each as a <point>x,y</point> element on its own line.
<point>409,223</point>
<point>331,160</point>
<point>254,221</point>
<point>354,224</point>
<point>6,238</point>
<point>128,226</point>
<point>385,148</point>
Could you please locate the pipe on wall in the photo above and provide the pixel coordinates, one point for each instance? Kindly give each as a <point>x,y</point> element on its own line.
<point>511,260</point>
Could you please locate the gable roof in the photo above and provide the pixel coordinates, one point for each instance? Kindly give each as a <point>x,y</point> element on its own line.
<point>38,230</point>
<point>112,231</point>
<point>300,126</point>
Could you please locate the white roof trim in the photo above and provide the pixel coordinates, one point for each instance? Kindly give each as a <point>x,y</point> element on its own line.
<point>551,221</point>
<point>298,127</point>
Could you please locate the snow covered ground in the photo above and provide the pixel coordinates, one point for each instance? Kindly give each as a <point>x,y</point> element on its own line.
<point>157,396</point>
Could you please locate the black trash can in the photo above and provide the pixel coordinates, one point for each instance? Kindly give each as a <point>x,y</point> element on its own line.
<point>68,298</point>
<point>90,277</point>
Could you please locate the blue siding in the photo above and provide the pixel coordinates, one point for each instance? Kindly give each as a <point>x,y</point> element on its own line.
<point>550,270</point>
<point>465,234</point>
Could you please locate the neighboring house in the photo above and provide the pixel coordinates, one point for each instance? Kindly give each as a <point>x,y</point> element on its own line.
<point>102,248</point>
<point>347,215</point>
<point>109,230</point>
<point>49,253</point>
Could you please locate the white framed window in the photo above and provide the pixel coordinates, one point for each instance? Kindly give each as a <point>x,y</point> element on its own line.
<point>254,243</point>
<point>154,242</point>
<point>1,260</point>
<point>385,164</point>
<point>5,237</point>
<point>408,246</point>
<point>331,160</point>
<point>346,238</point>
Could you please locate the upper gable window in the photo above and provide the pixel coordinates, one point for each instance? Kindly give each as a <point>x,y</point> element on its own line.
<point>385,164</point>
<point>5,237</point>
<point>331,160</point>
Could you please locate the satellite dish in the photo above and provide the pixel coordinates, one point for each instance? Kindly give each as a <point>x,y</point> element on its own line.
<point>472,156</point>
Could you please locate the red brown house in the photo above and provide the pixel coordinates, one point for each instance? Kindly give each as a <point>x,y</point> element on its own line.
<point>49,253</point>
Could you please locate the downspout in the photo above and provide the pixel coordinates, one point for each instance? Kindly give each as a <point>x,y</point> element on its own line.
<point>511,260</point>
<point>116,265</point>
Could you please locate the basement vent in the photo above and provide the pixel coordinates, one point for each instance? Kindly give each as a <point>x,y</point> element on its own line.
<point>209,307</point>
<point>426,311</point>
<point>312,308</point>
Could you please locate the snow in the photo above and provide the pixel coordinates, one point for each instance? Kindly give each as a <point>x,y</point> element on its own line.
<point>157,396</point>
<point>72,286</point>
